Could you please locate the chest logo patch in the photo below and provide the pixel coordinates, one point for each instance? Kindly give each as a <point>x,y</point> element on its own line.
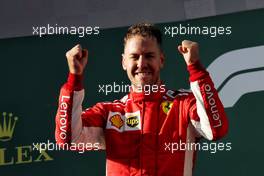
<point>116,121</point>
<point>132,121</point>
<point>166,106</point>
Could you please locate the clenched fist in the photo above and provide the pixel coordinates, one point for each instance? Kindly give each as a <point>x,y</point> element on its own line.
<point>77,59</point>
<point>190,51</point>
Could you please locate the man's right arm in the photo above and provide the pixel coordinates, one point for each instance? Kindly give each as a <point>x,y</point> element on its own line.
<point>69,109</point>
<point>73,125</point>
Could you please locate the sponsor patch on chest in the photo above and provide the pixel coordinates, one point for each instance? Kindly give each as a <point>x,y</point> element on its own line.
<point>127,122</point>
<point>133,121</point>
<point>166,106</point>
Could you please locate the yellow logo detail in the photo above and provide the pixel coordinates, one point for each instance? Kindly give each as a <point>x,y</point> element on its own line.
<point>166,106</point>
<point>7,126</point>
<point>116,121</point>
<point>132,121</point>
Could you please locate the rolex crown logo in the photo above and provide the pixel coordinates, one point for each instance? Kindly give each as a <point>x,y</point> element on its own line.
<point>7,126</point>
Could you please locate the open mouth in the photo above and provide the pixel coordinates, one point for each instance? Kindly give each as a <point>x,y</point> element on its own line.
<point>143,74</point>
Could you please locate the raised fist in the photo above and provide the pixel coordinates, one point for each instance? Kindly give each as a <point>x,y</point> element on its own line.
<point>190,51</point>
<point>77,59</point>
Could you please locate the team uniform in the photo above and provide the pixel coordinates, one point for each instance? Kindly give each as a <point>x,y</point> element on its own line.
<point>136,130</point>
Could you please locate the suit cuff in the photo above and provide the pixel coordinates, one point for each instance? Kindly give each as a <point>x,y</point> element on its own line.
<point>197,71</point>
<point>75,82</point>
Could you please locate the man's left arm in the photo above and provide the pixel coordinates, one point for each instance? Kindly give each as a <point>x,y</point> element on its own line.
<point>206,111</point>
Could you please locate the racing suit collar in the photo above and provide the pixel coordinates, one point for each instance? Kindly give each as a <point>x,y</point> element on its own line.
<point>147,96</point>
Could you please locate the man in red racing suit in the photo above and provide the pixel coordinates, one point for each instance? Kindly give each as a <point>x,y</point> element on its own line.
<point>139,131</point>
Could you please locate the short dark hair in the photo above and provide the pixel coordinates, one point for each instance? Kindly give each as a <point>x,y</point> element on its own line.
<point>144,30</point>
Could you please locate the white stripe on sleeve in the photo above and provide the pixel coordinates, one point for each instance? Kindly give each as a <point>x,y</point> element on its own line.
<point>82,134</point>
<point>76,121</point>
<point>203,127</point>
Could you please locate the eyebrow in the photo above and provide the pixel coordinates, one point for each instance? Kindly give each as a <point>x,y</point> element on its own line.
<point>144,53</point>
<point>150,53</point>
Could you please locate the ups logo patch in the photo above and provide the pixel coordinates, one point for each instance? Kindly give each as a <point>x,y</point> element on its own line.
<point>132,121</point>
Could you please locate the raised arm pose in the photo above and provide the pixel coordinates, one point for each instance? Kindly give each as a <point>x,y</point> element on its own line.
<point>135,129</point>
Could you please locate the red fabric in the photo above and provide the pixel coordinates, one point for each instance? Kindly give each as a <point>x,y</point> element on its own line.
<point>137,128</point>
<point>196,71</point>
<point>74,82</point>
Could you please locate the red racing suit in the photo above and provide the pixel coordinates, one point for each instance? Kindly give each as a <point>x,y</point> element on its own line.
<point>139,131</point>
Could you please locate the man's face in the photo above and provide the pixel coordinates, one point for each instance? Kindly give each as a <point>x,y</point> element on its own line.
<point>142,60</point>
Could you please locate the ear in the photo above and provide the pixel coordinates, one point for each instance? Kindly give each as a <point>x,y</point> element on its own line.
<point>123,62</point>
<point>162,59</point>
